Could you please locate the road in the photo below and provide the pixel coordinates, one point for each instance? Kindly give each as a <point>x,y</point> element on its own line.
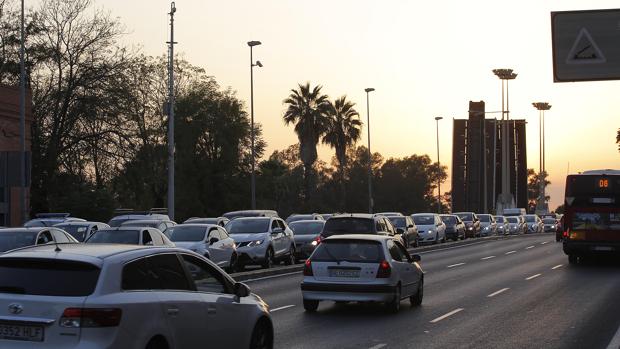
<point>516,292</point>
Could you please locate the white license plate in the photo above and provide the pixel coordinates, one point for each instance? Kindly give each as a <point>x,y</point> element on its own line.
<point>21,333</point>
<point>603,248</point>
<point>343,273</point>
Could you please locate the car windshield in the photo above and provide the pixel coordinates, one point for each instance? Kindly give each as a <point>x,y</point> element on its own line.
<point>186,233</point>
<point>512,219</point>
<point>130,237</point>
<point>549,221</point>
<point>398,222</point>
<point>530,219</point>
<point>77,231</point>
<point>15,239</point>
<point>307,228</point>
<point>424,219</point>
<point>248,226</point>
<point>499,219</point>
<point>355,251</point>
<point>348,225</point>
<point>448,219</point>
<point>484,218</point>
<point>465,216</point>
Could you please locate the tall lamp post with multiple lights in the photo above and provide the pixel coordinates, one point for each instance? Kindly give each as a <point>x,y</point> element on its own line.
<point>541,205</point>
<point>170,110</point>
<point>370,203</point>
<point>439,165</point>
<point>505,199</point>
<point>252,65</point>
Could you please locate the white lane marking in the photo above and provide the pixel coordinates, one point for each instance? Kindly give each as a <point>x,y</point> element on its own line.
<point>447,315</point>
<point>498,292</point>
<point>271,276</point>
<point>533,277</point>
<point>615,341</point>
<point>378,346</point>
<point>542,243</point>
<point>527,248</point>
<point>489,257</point>
<point>557,266</point>
<point>455,265</point>
<point>511,252</point>
<point>282,308</point>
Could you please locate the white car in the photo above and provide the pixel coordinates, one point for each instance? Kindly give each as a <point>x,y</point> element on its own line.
<point>209,240</point>
<point>488,225</point>
<point>130,235</point>
<point>81,230</point>
<point>124,296</point>
<point>362,268</point>
<point>533,223</point>
<point>431,229</point>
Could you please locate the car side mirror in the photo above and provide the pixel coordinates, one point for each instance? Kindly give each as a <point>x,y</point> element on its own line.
<point>213,240</point>
<point>416,258</point>
<point>241,290</point>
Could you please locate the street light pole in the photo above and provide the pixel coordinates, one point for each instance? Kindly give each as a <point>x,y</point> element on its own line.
<point>370,201</point>
<point>541,206</point>
<point>439,167</point>
<point>252,65</point>
<point>22,123</point>
<point>170,111</point>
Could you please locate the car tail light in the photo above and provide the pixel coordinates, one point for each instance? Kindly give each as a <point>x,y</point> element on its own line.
<point>385,270</point>
<point>565,234</point>
<point>308,268</point>
<point>90,317</point>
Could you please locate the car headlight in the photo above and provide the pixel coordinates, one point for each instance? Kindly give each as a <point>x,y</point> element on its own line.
<point>553,227</point>
<point>255,243</point>
<point>470,228</point>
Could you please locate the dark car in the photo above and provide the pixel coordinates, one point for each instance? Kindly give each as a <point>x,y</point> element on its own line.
<point>359,223</point>
<point>306,237</point>
<point>12,238</point>
<point>472,223</point>
<point>455,228</point>
<point>406,228</point>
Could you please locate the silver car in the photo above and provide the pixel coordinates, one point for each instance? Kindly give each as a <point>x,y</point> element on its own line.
<point>533,223</point>
<point>209,240</point>
<point>515,225</point>
<point>362,268</point>
<point>125,296</point>
<point>13,238</point>
<point>81,230</point>
<point>488,226</point>
<point>502,225</point>
<point>431,229</point>
<point>130,235</point>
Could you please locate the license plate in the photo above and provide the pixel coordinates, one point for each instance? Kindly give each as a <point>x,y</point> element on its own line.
<point>21,333</point>
<point>603,248</point>
<point>343,273</point>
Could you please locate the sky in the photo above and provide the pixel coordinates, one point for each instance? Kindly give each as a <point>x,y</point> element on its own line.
<point>424,58</point>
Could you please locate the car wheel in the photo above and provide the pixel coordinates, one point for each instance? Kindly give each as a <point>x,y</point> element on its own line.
<point>262,336</point>
<point>311,305</point>
<point>268,263</point>
<point>291,256</point>
<point>573,259</point>
<point>394,305</point>
<point>416,299</point>
<point>157,343</point>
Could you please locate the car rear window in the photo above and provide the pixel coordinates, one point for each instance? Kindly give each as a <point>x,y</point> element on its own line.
<point>181,233</point>
<point>356,251</point>
<point>16,239</point>
<point>131,237</point>
<point>348,225</point>
<point>47,277</point>
<point>307,228</point>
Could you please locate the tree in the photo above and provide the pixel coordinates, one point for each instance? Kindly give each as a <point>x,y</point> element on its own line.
<point>533,188</point>
<point>343,131</point>
<point>307,109</point>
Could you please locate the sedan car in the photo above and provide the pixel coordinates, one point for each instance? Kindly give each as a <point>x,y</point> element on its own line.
<point>406,228</point>
<point>307,236</point>
<point>362,268</point>
<point>431,229</point>
<point>12,238</point>
<point>502,225</point>
<point>209,240</point>
<point>81,230</point>
<point>472,223</point>
<point>221,221</point>
<point>515,225</point>
<point>131,236</point>
<point>123,296</point>
<point>533,223</point>
<point>488,226</point>
<point>550,225</point>
<point>455,228</point>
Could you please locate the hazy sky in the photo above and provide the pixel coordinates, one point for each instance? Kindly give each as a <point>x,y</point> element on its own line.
<point>424,58</point>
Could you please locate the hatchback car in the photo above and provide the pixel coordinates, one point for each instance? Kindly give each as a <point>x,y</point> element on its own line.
<point>262,240</point>
<point>533,223</point>
<point>12,238</point>
<point>455,228</point>
<point>131,236</point>
<point>307,236</point>
<point>362,268</point>
<point>209,240</point>
<point>303,217</point>
<point>472,223</point>
<point>359,223</point>
<point>122,296</point>
<point>502,225</point>
<point>515,225</point>
<point>406,228</point>
<point>81,230</point>
<point>128,215</point>
<point>431,228</point>
<point>488,226</point>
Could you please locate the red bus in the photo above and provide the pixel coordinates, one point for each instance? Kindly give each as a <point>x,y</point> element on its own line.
<point>592,214</point>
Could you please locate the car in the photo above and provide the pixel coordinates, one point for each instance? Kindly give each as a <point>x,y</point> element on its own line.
<point>515,225</point>
<point>221,221</point>
<point>262,240</point>
<point>406,228</point>
<point>124,215</point>
<point>14,238</point>
<point>302,217</point>
<point>125,296</point>
<point>307,236</point>
<point>455,228</point>
<point>472,223</point>
<point>250,213</point>
<point>130,235</point>
<point>159,224</point>
<point>559,232</point>
<point>359,223</point>
<point>327,216</point>
<point>533,223</point>
<point>362,268</point>
<point>550,225</point>
<point>431,229</point>
<point>502,225</point>
<point>209,240</point>
<point>390,214</point>
<point>488,226</point>
<point>81,230</point>
<point>51,219</point>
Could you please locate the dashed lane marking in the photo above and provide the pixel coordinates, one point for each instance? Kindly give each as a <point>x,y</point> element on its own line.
<point>511,252</point>
<point>485,258</point>
<point>455,265</point>
<point>282,308</point>
<point>447,315</point>
<point>272,276</point>
<point>498,292</point>
<point>527,248</point>
<point>556,267</point>
<point>532,277</point>
<point>378,346</point>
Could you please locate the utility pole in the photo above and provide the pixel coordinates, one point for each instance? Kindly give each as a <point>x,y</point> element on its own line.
<point>170,110</point>
<point>253,176</point>
<point>370,201</point>
<point>22,123</point>
<point>439,168</point>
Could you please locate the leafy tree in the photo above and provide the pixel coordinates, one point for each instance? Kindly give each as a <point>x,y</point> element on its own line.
<point>533,188</point>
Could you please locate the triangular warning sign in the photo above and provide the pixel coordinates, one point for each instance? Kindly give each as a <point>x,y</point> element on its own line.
<point>585,50</point>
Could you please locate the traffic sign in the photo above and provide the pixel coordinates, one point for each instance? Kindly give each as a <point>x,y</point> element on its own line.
<point>586,45</point>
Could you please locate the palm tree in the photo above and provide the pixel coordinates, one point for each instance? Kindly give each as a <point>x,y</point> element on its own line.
<point>307,109</point>
<point>343,131</point>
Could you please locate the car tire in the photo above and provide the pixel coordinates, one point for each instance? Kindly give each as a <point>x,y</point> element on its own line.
<point>394,305</point>
<point>573,259</point>
<point>157,343</point>
<point>416,300</point>
<point>290,260</point>
<point>311,305</point>
<point>262,336</point>
<point>268,263</point>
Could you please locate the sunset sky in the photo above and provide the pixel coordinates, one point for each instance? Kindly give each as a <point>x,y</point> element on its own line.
<point>424,59</point>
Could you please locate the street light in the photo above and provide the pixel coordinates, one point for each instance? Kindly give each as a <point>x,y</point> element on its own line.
<point>506,200</point>
<point>252,65</point>
<point>439,166</point>
<point>170,111</point>
<point>541,107</point>
<point>370,203</point>
<point>22,124</point>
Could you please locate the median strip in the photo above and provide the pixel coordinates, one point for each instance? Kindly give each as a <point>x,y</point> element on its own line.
<point>447,315</point>
<point>456,265</point>
<point>498,292</point>
<point>532,277</point>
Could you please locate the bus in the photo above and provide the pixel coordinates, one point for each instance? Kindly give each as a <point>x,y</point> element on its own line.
<point>591,220</point>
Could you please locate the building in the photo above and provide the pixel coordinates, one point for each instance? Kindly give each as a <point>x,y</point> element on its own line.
<point>476,161</point>
<point>10,214</point>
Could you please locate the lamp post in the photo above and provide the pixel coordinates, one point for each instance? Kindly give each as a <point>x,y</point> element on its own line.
<point>22,123</point>
<point>541,206</point>
<point>252,65</point>
<point>439,166</point>
<point>170,111</point>
<point>505,199</point>
<point>370,203</point>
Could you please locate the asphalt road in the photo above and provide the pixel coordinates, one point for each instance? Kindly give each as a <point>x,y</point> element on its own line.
<point>518,292</point>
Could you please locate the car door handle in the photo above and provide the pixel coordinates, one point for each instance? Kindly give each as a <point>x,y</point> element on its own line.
<point>211,311</point>
<point>173,311</point>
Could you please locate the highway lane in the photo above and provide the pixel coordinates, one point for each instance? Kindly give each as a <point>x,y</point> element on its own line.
<point>512,293</point>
